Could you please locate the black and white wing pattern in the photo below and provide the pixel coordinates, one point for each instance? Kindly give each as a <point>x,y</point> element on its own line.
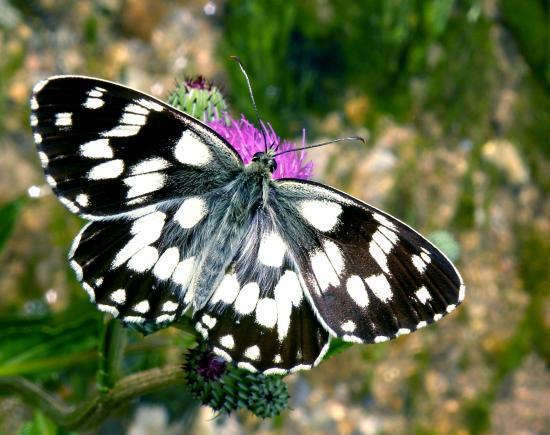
<point>369,277</point>
<point>144,173</point>
<point>259,317</point>
<point>108,150</point>
<point>315,264</point>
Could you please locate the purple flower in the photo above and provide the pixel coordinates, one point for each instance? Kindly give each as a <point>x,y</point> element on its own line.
<point>248,140</point>
<point>210,366</point>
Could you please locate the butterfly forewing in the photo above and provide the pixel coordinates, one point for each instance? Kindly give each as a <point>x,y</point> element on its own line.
<point>109,150</point>
<point>369,277</point>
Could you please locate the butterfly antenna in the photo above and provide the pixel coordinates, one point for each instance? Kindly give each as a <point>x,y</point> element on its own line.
<point>359,138</point>
<point>260,125</point>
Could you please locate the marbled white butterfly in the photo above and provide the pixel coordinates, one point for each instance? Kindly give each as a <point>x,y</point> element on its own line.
<point>270,269</point>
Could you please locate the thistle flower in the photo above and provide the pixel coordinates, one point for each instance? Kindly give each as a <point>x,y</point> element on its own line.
<point>226,388</point>
<point>248,140</point>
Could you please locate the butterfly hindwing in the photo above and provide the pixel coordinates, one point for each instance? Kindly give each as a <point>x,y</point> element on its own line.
<point>258,317</point>
<point>108,150</point>
<point>140,269</point>
<point>369,277</point>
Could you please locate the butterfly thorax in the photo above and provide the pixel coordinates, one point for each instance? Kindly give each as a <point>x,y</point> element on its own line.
<point>248,192</point>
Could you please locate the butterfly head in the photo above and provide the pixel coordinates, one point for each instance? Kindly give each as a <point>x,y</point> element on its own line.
<point>265,160</point>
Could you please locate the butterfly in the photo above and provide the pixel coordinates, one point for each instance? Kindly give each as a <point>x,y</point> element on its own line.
<point>269,269</point>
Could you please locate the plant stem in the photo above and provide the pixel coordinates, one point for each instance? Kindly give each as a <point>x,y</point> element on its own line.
<point>99,406</point>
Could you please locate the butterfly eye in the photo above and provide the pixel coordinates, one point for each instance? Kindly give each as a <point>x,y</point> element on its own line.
<point>256,156</point>
<point>272,165</point>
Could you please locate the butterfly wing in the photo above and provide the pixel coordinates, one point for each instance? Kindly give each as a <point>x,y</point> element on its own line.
<point>108,150</point>
<point>144,173</point>
<point>317,263</point>
<point>258,317</point>
<point>369,277</point>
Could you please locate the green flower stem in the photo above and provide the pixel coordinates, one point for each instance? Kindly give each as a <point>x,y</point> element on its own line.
<point>71,360</point>
<point>111,354</point>
<point>99,406</point>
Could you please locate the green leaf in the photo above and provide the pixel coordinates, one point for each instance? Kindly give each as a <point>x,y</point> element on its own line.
<point>9,213</point>
<point>40,425</point>
<point>47,344</point>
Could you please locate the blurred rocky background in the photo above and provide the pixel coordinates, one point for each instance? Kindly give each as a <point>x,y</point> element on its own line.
<point>453,97</point>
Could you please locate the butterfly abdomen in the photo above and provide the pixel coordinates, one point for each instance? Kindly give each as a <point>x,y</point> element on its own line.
<point>215,270</point>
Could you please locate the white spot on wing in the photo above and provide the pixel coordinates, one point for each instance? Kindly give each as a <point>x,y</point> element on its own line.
<point>183,272</point>
<point>167,263</point>
<point>419,263</point>
<point>253,353</point>
<point>165,318</point>
<point>34,120</point>
<point>77,270</point>
<point>37,138</point>
<point>427,259</point>
<point>381,339</point>
<point>383,220</point>
<point>144,183</point>
<point>123,130</point>
<point>103,171</point>
<point>51,181</point>
<point>133,119</point>
<point>97,149</point>
<point>191,211</point>
<point>146,230</point>
<point>43,158</point>
<point>209,321</point>
<point>380,287</point>
<point>93,103</point>
<point>402,331</point>
<point>323,215</point>
<point>88,288</point>
<point>34,103</point>
<point>324,271</point>
<point>348,326</point>
<point>142,307</point>
<point>169,307</point>
<point>134,319</point>
<point>119,296</point>
<point>247,366</point>
<point>247,299</point>
<point>108,309</point>
<point>150,104</point>
<point>95,93</point>
<point>69,204</point>
<point>227,291</point>
<point>144,259</point>
<point>461,292</point>
<point>437,317</point>
<point>150,165</point>
<point>272,250</point>
<point>227,341</point>
<point>451,308</point>
<point>134,108</point>
<point>357,291</point>
<point>376,252</point>
<point>190,150</point>
<point>266,312</point>
<point>334,255</point>
<point>423,294</point>
<point>83,199</point>
<point>64,119</point>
